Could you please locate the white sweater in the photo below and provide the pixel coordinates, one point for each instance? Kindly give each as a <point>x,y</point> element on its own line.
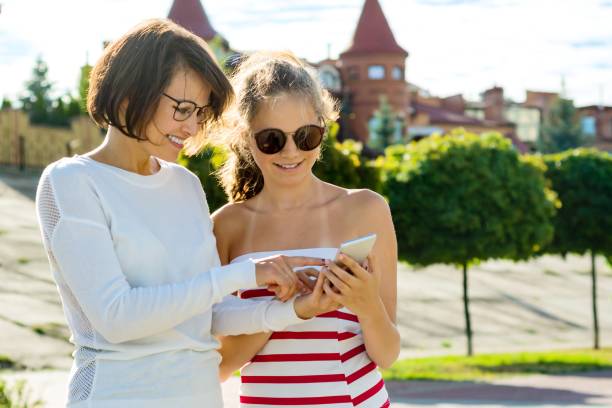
<point>136,265</point>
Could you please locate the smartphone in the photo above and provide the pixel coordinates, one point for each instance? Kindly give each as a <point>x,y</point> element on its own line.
<point>358,248</point>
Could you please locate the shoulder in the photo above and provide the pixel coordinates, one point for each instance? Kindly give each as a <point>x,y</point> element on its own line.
<point>68,171</point>
<point>228,226</point>
<point>69,186</point>
<point>368,211</point>
<point>229,215</point>
<point>180,171</point>
<point>367,202</point>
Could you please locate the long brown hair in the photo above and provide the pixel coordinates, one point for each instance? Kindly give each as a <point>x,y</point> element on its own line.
<point>260,77</point>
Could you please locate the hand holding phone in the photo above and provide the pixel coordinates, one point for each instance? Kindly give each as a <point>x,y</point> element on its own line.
<point>358,248</point>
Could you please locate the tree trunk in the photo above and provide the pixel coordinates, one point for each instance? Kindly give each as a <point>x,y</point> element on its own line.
<point>594,300</point>
<point>466,309</point>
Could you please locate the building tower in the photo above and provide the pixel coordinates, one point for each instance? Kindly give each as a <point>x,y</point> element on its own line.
<point>372,66</point>
<point>191,15</point>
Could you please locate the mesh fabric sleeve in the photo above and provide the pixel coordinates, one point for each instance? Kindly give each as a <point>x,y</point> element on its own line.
<point>77,237</point>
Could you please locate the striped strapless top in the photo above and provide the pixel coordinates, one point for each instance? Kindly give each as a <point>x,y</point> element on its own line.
<point>320,362</point>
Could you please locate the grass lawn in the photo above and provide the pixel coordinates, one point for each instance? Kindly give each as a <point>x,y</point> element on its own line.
<point>490,366</point>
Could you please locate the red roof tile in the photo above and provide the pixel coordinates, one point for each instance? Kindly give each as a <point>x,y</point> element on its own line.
<point>191,15</point>
<point>373,34</point>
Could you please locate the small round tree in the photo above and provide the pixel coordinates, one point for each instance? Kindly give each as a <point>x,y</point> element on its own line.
<point>462,198</point>
<point>343,165</point>
<point>582,179</point>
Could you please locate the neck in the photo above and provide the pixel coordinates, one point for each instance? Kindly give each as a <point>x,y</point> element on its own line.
<point>283,198</point>
<point>125,153</point>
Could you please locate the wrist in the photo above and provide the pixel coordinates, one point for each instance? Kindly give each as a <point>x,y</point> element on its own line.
<point>373,312</point>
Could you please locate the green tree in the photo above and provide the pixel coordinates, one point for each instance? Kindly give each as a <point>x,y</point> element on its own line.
<point>204,165</point>
<point>84,87</point>
<point>384,127</point>
<point>561,130</point>
<point>6,103</point>
<point>63,109</point>
<point>37,101</point>
<point>343,165</point>
<point>582,178</point>
<point>463,198</point>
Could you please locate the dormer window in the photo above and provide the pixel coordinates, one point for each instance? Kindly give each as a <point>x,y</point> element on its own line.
<point>376,72</point>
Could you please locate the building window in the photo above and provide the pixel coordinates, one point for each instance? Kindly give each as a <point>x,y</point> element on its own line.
<point>353,73</point>
<point>376,72</point>
<point>397,73</point>
<point>589,125</point>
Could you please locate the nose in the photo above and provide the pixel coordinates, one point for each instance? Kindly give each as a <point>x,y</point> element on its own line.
<point>290,147</point>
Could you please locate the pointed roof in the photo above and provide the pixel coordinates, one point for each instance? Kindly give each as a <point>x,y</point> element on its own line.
<point>191,15</point>
<point>373,34</point>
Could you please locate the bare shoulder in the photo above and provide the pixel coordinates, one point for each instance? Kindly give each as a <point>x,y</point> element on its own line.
<point>368,204</point>
<point>228,216</point>
<point>227,226</point>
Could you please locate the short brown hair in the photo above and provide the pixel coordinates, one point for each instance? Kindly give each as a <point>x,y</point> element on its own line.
<point>138,67</point>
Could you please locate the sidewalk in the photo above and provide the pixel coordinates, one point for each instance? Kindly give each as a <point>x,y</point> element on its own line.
<point>566,391</point>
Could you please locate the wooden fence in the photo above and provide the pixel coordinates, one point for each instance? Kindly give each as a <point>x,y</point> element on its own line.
<point>25,145</point>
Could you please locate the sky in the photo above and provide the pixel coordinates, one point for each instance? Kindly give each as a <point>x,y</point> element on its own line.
<point>455,46</point>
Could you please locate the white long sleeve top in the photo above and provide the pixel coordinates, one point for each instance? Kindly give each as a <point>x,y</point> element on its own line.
<point>136,265</point>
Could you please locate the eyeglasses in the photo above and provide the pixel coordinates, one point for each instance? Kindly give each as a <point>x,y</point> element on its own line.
<point>185,108</point>
<point>306,138</point>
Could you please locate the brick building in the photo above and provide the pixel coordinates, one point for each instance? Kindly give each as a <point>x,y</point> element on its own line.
<point>596,122</point>
<point>373,66</point>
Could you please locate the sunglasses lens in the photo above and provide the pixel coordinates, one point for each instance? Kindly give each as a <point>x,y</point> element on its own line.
<point>270,141</point>
<point>309,137</point>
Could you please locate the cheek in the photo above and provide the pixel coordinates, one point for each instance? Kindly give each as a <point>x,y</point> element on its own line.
<point>262,160</point>
<point>155,132</point>
<point>314,155</point>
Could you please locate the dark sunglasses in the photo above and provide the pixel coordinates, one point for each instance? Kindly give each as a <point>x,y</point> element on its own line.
<point>185,108</point>
<point>306,138</point>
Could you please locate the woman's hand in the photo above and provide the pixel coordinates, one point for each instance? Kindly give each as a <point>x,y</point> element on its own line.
<point>276,272</point>
<point>317,301</point>
<point>357,288</point>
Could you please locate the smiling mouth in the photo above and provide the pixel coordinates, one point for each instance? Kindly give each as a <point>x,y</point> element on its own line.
<point>288,166</point>
<point>176,141</point>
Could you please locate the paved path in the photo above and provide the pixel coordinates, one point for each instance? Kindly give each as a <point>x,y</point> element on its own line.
<point>568,391</point>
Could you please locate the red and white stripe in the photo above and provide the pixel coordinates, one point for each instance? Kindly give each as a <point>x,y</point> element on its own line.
<point>320,362</point>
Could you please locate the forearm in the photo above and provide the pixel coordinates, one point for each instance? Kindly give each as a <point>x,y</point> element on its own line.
<point>233,316</point>
<point>236,351</point>
<point>381,337</point>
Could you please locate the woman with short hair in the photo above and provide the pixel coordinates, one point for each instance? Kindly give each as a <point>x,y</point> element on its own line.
<point>130,241</point>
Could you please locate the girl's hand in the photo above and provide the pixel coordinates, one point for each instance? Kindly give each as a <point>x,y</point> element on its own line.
<point>316,302</point>
<point>357,288</point>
